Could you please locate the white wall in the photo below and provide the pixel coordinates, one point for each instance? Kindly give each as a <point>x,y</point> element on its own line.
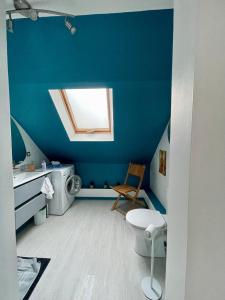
<point>8,273</point>
<point>196,206</point>
<point>159,182</point>
<point>36,155</point>
<point>180,142</point>
<point>206,237</point>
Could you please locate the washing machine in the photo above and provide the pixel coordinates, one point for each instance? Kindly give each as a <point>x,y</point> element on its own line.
<point>64,192</point>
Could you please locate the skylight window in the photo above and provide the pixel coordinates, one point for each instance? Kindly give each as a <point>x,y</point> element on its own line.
<point>85,113</point>
<point>89,109</point>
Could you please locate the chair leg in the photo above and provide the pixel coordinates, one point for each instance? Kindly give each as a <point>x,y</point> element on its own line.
<point>136,201</point>
<point>116,202</point>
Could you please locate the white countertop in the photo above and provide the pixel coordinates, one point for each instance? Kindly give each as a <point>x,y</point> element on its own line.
<point>24,177</point>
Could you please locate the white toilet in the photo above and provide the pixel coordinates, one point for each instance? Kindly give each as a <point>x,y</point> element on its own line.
<point>139,219</point>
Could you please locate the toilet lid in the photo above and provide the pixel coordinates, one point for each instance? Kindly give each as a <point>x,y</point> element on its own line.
<point>142,218</point>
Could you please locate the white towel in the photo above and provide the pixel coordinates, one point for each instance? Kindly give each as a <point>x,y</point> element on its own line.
<point>47,188</point>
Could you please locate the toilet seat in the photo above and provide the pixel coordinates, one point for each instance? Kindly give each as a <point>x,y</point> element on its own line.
<point>141,218</point>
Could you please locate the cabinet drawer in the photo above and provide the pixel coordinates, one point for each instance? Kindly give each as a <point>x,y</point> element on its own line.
<point>28,210</point>
<point>28,190</point>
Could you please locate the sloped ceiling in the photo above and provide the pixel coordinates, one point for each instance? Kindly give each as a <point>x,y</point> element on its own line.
<point>84,7</point>
<point>130,52</point>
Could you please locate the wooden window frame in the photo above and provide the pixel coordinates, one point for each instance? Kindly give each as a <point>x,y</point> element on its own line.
<point>71,116</point>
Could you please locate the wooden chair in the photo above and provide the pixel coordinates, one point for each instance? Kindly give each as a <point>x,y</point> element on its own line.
<point>127,191</point>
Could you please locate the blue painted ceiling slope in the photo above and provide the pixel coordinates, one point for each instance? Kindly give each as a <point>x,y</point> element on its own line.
<point>130,52</point>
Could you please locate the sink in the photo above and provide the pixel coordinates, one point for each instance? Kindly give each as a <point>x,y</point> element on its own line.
<point>20,176</point>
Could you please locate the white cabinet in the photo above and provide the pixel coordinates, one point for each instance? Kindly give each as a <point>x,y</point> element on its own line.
<point>26,211</point>
<point>28,200</point>
<point>28,190</point>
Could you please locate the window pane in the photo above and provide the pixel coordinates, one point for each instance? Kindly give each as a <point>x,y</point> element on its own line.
<point>90,107</point>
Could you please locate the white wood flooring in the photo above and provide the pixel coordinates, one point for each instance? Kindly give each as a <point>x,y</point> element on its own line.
<point>92,256</point>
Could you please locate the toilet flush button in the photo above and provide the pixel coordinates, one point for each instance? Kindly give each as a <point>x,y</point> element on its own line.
<point>142,218</point>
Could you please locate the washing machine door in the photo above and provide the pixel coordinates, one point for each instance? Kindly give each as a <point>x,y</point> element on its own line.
<point>73,185</point>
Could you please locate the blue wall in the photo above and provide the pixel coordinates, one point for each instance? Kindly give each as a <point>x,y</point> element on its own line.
<point>130,52</point>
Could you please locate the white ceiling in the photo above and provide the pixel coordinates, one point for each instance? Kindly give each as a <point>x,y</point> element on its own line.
<point>85,7</point>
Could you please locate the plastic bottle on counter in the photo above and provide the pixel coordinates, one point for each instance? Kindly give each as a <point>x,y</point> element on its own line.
<point>43,166</point>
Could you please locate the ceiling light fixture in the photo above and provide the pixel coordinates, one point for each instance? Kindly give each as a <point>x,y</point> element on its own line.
<point>24,8</point>
<point>70,26</point>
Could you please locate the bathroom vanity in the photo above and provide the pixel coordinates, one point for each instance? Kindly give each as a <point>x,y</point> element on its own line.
<point>28,198</point>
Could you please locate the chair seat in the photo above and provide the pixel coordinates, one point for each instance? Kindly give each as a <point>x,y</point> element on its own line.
<point>124,189</point>
<point>127,191</point>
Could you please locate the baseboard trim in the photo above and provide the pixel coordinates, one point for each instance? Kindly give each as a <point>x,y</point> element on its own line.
<point>98,194</point>
<point>102,193</point>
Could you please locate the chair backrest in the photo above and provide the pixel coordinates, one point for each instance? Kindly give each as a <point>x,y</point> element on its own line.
<point>136,170</point>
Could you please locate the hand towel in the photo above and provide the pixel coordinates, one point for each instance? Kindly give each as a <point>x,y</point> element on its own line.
<point>47,188</point>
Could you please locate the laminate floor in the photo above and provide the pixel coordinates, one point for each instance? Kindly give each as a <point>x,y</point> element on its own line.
<point>92,256</point>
